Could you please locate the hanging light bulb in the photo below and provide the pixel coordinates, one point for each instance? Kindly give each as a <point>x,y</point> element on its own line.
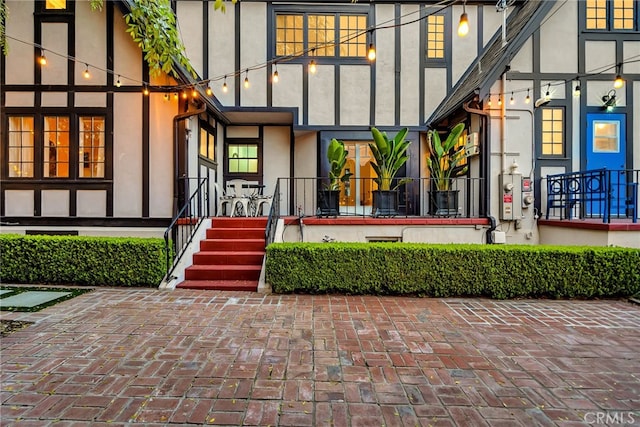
<point>246,79</point>
<point>275,78</point>
<point>618,82</point>
<point>175,95</point>
<point>312,66</point>
<point>500,100</point>
<point>489,100</point>
<point>166,96</point>
<point>86,74</point>
<point>463,26</point>
<point>546,95</point>
<point>209,90</point>
<point>371,53</point>
<point>184,94</point>
<point>194,93</point>
<point>43,59</point>
<point>576,90</point>
<point>527,100</point>
<point>511,100</point>
<point>145,91</point>
<point>225,88</point>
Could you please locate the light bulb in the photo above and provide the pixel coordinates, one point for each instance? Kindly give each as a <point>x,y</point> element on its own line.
<point>118,84</point>
<point>145,91</point>
<point>86,73</point>
<point>576,91</point>
<point>371,54</point>
<point>463,26</point>
<point>246,82</point>
<point>312,66</point>
<point>275,77</point>
<point>618,82</point>
<point>184,94</point>
<point>194,93</point>
<point>43,59</point>
<point>528,98</point>
<point>511,100</point>
<point>209,91</point>
<point>225,88</point>
<point>500,100</point>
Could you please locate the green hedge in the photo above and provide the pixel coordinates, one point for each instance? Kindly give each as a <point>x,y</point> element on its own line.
<point>93,261</point>
<point>496,271</point>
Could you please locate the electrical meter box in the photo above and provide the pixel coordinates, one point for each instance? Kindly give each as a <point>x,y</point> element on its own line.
<point>510,196</point>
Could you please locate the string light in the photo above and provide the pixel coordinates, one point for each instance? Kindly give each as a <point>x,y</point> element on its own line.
<point>175,95</point>
<point>511,100</point>
<point>312,66</point>
<point>225,88</point>
<point>275,78</point>
<point>209,91</point>
<point>43,59</point>
<point>618,82</point>
<point>489,100</point>
<point>145,91</point>
<point>184,94</point>
<point>499,100</point>
<point>246,79</point>
<point>463,26</point>
<point>118,84</point>
<point>194,93</point>
<point>576,90</point>
<point>86,74</point>
<point>527,100</point>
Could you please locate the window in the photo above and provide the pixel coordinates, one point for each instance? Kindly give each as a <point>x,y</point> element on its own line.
<point>243,158</point>
<point>610,14</point>
<point>55,4</point>
<point>53,147</point>
<point>207,144</point>
<point>553,132</point>
<point>92,147</point>
<point>21,148</point>
<point>606,136</point>
<point>56,147</point>
<point>321,34</point>
<point>435,37</point>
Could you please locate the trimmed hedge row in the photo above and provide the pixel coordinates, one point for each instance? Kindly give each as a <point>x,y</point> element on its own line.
<point>80,260</point>
<point>496,271</point>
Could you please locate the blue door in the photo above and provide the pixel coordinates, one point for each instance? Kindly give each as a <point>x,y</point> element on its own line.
<point>606,148</point>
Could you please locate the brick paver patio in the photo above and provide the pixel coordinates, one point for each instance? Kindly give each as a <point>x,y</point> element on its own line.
<point>128,356</point>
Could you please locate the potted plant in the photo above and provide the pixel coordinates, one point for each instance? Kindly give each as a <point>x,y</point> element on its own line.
<point>389,156</point>
<point>329,196</point>
<point>445,164</point>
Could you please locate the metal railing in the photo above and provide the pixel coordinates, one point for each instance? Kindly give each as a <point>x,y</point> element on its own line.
<point>180,232</point>
<point>418,198</point>
<point>599,193</point>
<point>274,216</point>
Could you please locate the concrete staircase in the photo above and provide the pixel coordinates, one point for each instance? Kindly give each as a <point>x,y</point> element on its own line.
<point>230,257</point>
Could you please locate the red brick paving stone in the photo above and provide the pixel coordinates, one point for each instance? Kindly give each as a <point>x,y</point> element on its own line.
<point>263,413</point>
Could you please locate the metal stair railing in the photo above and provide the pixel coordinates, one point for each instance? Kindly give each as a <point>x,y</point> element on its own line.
<point>184,225</point>
<point>274,215</point>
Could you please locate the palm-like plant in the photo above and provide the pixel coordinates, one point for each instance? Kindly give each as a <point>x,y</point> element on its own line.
<point>337,156</point>
<point>390,155</point>
<point>444,160</point>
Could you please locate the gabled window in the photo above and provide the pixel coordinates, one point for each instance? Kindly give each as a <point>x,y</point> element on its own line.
<point>553,132</point>
<point>611,15</point>
<point>335,34</point>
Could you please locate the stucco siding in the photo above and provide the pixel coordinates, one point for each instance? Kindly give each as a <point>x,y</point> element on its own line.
<point>355,94</point>
<point>464,48</point>
<point>410,69</point>
<point>161,174</point>
<point>191,30</point>
<point>127,155</point>
<point>54,37</point>
<point>222,36</point>
<point>288,91</point>
<point>559,39</point>
<point>276,157</point>
<point>91,44</point>
<point>253,51</point>
<point>385,68</point>
<point>19,62</point>
<point>127,57</point>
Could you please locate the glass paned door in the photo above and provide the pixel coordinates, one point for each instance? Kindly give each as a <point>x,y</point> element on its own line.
<point>356,196</point>
<point>606,148</point>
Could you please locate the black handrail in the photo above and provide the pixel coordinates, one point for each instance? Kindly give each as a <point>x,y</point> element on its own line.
<point>274,215</point>
<point>180,232</point>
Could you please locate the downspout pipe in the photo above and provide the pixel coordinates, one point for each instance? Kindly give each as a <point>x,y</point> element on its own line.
<point>176,141</point>
<point>492,220</point>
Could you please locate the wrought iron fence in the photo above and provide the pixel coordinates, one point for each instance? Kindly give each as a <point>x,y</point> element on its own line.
<point>180,232</point>
<point>599,193</point>
<point>417,198</point>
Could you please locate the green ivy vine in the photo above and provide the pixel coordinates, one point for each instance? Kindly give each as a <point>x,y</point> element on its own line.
<point>3,18</point>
